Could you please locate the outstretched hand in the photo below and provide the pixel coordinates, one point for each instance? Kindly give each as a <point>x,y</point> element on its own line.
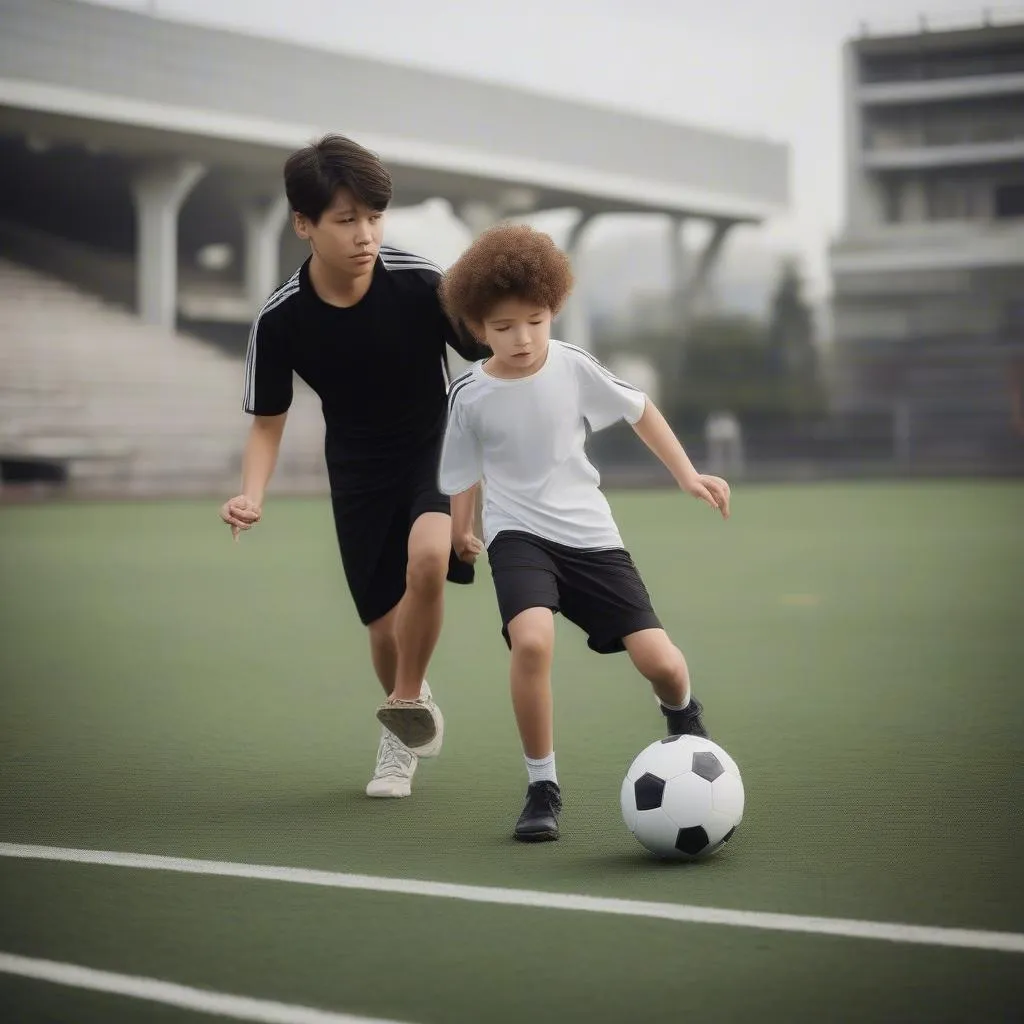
<point>712,490</point>
<point>240,513</point>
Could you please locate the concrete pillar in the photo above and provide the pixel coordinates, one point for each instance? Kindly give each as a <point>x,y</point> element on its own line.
<point>695,290</point>
<point>679,263</point>
<point>479,215</point>
<point>263,220</point>
<point>864,201</point>
<point>574,320</point>
<point>691,290</point>
<point>159,190</point>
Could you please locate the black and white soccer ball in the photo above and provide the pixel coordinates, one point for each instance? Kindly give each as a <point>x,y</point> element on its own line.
<point>682,797</point>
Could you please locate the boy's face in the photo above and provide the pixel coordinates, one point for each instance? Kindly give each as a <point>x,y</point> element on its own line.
<point>347,237</point>
<point>517,332</point>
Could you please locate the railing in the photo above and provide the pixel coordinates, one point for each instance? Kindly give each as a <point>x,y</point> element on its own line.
<point>985,16</point>
<point>884,138</point>
<point>106,275</point>
<point>925,67</point>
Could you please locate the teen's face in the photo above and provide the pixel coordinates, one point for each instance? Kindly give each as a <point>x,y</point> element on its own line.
<point>517,332</point>
<point>347,237</point>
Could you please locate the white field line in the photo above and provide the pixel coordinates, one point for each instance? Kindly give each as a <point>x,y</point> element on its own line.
<point>219,1004</point>
<point>961,938</point>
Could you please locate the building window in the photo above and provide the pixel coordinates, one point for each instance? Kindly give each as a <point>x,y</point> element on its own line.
<point>892,192</point>
<point>955,199</point>
<point>1009,201</point>
<point>921,65</point>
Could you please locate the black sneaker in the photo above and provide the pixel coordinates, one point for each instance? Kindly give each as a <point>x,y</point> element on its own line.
<point>686,722</point>
<point>539,821</point>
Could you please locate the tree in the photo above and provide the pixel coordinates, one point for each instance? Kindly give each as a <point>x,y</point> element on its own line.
<point>791,335</point>
<point>765,372</point>
<point>726,367</point>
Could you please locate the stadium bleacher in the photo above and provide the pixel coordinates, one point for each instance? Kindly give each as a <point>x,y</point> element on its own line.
<point>114,404</point>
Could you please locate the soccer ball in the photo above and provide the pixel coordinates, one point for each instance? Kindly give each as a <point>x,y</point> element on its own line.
<point>682,797</point>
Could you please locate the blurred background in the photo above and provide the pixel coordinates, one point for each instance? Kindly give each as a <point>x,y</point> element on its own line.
<point>801,229</point>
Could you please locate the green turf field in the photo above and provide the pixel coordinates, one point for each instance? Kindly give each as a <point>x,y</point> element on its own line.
<point>859,650</point>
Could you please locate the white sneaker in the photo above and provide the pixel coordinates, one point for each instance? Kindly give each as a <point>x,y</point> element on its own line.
<point>433,748</point>
<point>419,724</point>
<point>396,765</point>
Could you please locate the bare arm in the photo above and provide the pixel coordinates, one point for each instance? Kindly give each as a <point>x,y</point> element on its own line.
<point>653,429</point>
<point>260,458</point>
<point>258,461</point>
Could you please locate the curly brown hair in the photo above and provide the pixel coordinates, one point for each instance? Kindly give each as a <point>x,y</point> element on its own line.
<point>506,261</point>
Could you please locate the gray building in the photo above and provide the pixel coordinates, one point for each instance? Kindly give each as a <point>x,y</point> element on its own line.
<point>929,270</point>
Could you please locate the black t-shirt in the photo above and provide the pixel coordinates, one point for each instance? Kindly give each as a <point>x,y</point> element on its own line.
<point>379,367</point>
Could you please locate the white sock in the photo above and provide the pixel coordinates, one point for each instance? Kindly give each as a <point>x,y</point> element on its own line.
<point>675,707</point>
<point>541,769</point>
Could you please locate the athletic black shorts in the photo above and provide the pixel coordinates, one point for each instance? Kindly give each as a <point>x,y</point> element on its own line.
<point>600,590</point>
<point>373,528</point>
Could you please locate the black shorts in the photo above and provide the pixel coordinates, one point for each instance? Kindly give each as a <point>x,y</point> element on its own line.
<point>600,590</point>
<point>373,529</point>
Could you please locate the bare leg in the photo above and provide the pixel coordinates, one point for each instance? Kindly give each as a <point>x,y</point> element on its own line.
<point>662,663</point>
<point>384,649</point>
<point>396,764</point>
<point>532,633</point>
<point>419,614</point>
<point>533,643</point>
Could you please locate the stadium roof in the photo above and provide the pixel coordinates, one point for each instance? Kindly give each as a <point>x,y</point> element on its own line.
<point>139,84</point>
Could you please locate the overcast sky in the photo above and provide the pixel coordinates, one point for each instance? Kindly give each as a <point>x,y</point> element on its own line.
<point>767,68</point>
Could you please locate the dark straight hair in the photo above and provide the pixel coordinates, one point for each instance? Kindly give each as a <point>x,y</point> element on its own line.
<point>313,175</point>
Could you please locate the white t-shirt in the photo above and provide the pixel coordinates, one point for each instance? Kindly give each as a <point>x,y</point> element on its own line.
<point>524,438</point>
